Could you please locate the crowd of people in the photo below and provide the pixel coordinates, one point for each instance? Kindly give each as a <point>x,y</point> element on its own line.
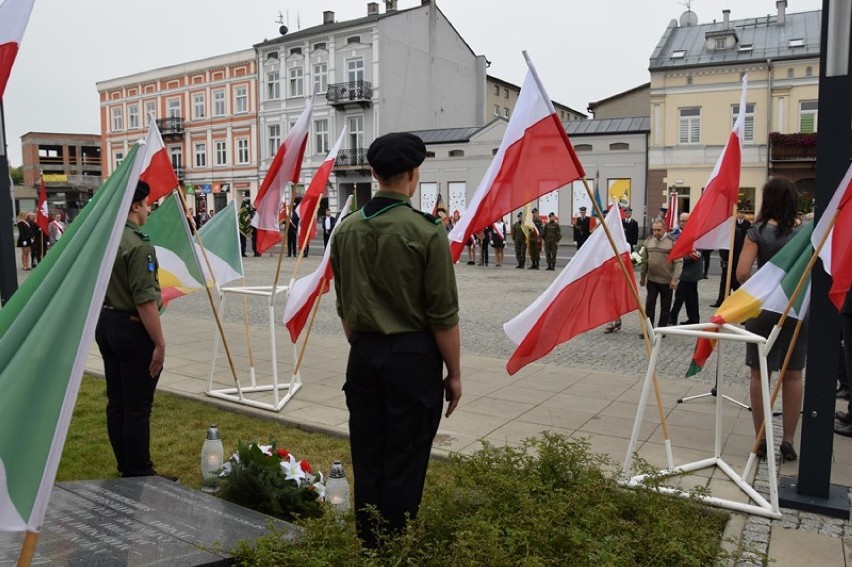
<point>33,241</point>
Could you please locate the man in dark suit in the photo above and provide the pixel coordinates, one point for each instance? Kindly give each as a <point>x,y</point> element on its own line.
<point>740,231</point>
<point>631,228</point>
<point>582,228</point>
<point>327,226</point>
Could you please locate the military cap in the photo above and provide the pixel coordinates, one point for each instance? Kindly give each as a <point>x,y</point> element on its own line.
<point>535,210</point>
<point>142,191</point>
<point>628,210</point>
<point>583,209</point>
<point>552,214</point>
<point>395,153</point>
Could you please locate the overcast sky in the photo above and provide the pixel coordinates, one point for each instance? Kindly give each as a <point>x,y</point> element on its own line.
<point>584,50</point>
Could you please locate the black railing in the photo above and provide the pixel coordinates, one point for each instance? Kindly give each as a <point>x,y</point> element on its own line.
<point>349,158</point>
<point>170,126</point>
<point>353,91</point>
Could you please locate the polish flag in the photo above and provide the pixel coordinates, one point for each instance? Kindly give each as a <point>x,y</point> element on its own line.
<point>589,292</point>
<point>307,208</point>
<point>672,216</point>
<point>285,169</point>
<point>14,15</point>
<point>305,291</point>
<point>157,170</point>
<point>714,209</point>
<point>836,253</point>
<point>42,218</point>
<point>534,158</point>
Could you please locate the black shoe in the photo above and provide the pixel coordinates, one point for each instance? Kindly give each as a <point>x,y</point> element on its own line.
<point>471,263</point>
<point>845,430</point>
<point>245,256</point>
<point>843,417</point>
<point>787,452</point>
<point>717,304</point>
<point>688,322</point>
<point>519,267</point>
<point>761,450</point>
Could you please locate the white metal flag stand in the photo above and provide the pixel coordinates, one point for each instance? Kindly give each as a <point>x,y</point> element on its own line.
<point>723,333</point>
<point>238,394</point>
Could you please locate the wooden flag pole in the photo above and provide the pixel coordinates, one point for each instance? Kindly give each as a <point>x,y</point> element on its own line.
<point>28,548</point>
<point>207,289</point>
<point>284,243</point>
<point>643,316</point>
<point>314,310</point>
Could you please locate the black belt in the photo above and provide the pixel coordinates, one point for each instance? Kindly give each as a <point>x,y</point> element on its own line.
<point>119,311</point>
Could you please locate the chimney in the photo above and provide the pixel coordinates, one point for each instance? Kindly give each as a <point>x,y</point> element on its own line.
<point>782,11</point>
<point>328,17</point>
<point>726,19</point>
<point>372,8</point>
<point>390,5</point>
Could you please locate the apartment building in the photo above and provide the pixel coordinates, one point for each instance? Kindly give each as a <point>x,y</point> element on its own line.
<point>207,114</point>
<point>696,71</point>
<point>502,96</point>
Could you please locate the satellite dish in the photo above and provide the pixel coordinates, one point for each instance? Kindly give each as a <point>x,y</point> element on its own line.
<point>282,30</point>
<point>688,18</point>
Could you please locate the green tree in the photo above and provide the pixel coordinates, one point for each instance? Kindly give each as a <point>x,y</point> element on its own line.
<point>17,175</point>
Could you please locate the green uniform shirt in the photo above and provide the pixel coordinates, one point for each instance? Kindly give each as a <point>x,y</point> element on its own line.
<point>134,275</point>
<point>392,271</point>
<point>244,219</point>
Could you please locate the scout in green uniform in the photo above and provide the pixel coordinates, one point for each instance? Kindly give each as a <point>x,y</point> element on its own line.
<point>534,241</point>
<point>131,342</point>
<point>246,229</point>
<point>520,240</point>
<point>398,303</point>
<point>551,234</point>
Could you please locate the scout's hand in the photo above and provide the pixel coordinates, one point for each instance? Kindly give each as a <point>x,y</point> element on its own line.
<point>452,392</point>
<point>157,359</point>
<point>673,284</point>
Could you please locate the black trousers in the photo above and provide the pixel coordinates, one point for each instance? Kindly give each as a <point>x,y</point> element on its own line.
<point>127,349</point>
<point>394,392</point>
<point>292,245</point>
<point>846,330</point>
<point>686,294</point>
<point>665,293</point>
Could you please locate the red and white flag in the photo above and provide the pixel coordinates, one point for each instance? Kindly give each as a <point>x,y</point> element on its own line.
<point>836,253</point>
<point>14,15</point>
<point>307,208</point>
<point>589,292</point>
<point>305,291</point>
<point>714,208</point>
<point>285,169</point>
<point>42,217</point>
<point>672,215</point>
<point>157,170</point>
<point>499,232</point>
<point>534,158</point>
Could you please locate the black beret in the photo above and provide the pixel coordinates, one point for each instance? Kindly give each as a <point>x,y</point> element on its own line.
<point>142,191</point>
<point>520,215</point>
<point>535,210</point>
<point>395,153</point>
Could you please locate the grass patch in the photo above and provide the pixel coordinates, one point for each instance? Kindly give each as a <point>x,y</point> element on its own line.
<point>548,502</point>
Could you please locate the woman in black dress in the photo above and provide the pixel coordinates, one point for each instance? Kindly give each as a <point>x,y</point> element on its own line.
<point>25,240</point>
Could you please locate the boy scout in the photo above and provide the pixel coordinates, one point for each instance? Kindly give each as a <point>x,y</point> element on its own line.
<point>131,342</point>
<point>398,303</point>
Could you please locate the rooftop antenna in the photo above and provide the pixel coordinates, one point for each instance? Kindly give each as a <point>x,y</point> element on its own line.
<point>687,4</point>
<point>280,19</point>
<point>298,20</point>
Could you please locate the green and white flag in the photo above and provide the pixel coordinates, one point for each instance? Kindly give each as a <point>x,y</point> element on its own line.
<point>221,239</point>
<point>46,332</point>
<point>179,272</point>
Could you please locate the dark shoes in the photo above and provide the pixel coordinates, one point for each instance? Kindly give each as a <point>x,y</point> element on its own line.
<point>717,304</point>
<point>761,450</point>
<point>787,452</point>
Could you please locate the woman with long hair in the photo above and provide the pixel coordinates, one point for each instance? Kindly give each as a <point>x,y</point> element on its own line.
<point>774,227</point>
<point>25,240</point>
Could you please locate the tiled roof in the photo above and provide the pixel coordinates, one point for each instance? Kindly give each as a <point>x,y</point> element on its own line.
<point>628,125</point>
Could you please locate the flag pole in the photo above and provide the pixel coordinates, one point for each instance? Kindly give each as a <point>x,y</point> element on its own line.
<point>314,309</point>
<point>207,289</point>
<point>729,275</point>
<point>248,335</point>
<point>284,243</point>
<point>307,239</point>
<point>28,548</point>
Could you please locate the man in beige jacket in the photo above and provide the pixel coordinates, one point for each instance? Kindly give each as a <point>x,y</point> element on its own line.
<point>658,274</point>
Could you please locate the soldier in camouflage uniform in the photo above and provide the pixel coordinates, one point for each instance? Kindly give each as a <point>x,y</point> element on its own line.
<point>520,240</point>
<point>246,229</point>
<point>551,234</point>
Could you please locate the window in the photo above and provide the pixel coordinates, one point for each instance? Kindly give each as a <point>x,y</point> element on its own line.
<point>689,80</point>
<point>150,112</point>
<point>297,81</point>
<point>748,127</point>
<point>746,47</point>
<point>274,138</point>
<point>690,126</point>
<point>272,55</point>
<point>218,103</point>
<point>177,157</point>
<point>320,45</point>
<point>505,93</point>
<point>273,85</point>
<point>356,132</point>
<point>796,43</point>
<point>221,153</point>
<point>200,154</point>
<point>583,148</point>
<point>133,117</point>
<point>242,151</point>
<point>506,113</point>
<point>173,108</point>
<point>790,73</point>
<point>240,100</point>
<point>456,153</point>
<point>321,136</point>
<point>119,157</point>
<point>496,90</point>
<point>808,116</point>
<point>198,105</point>
<point>721,43</point>
<point>117,119</point>
<point>296,51</point>
<point>321,77</point>
<point>496,110</point>
<point>355,69</point>
<point>619,146</point>
<point>353,39</point>
<point>430,154</point>
<point>679,54</point>
<point>809,71</point>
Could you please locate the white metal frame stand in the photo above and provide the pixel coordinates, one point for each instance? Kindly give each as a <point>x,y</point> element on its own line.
<point>237,394</point>
<point>725,332</point>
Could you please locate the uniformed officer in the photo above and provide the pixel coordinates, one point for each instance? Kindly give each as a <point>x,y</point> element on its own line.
<point>398,303</point>
<point>520,240</point>
<point>131,342</point>
<point>551,234</point>
<point>534,241</point>
<point>582,228</point>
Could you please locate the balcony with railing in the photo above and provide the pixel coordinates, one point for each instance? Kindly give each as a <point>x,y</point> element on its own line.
<point>353,92</point>
<point>792,147</point>
<point>349,159</point>
<point>171,127</point>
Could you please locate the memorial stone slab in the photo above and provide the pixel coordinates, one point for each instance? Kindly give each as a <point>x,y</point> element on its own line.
<point>139,521</point>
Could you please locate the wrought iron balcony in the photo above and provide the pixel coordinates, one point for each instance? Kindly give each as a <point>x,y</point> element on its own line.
<point>353,92</point>
<point>351,158</point>
<point>792,147</point>
<point>171,126</point>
